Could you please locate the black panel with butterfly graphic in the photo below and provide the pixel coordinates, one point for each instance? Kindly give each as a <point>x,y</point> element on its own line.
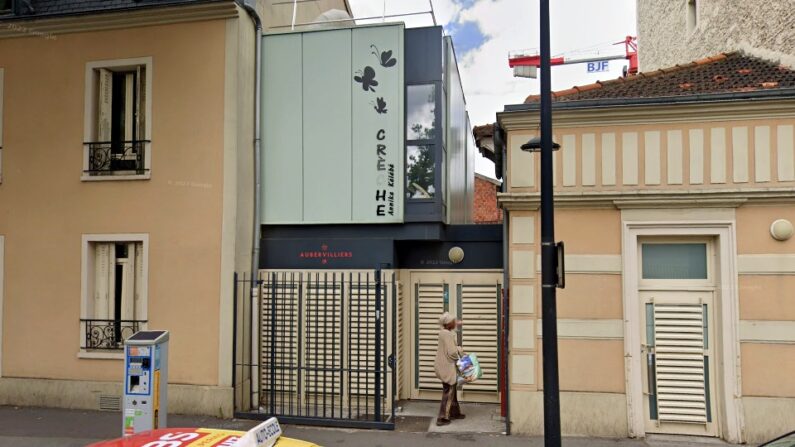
<point>366,77</point>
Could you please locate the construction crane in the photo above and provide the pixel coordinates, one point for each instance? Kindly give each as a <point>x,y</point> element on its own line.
<point>526,65</point>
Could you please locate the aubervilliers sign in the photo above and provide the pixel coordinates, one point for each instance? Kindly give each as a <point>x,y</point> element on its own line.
<point>333,131</point>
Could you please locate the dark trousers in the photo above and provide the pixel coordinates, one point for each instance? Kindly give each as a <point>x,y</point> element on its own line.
<point>449,408</point>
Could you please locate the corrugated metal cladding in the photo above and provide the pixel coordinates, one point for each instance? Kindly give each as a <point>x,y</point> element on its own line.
<point>460,144</point>
<point>333,126</point>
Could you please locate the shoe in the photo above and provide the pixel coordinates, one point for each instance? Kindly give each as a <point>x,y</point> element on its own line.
<point>440,422</point>
<point>460,416</point>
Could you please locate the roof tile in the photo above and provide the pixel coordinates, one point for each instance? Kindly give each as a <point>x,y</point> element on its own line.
<point>722,73</point>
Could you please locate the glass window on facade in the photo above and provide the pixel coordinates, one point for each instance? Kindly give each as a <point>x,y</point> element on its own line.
<point>674,261</point>
<point>5,6</point>
<point>420,112</point>
<point>420,172</point>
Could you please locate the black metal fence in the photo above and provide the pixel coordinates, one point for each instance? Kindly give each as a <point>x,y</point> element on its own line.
<point>317,348</point>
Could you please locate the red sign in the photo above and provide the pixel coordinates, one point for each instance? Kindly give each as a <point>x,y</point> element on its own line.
<point>324,254</point>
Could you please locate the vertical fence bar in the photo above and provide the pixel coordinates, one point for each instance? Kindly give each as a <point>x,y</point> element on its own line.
<point>350,348</point>
<point>325,338</point>
<point>300,340</point>
<point>234,343</point>
<point>393,355</point>
<point>333,347</point>
<point>273,345</point>
<point>377,359</point>
<point>250,350</point>
<point>358,345</point>
<point>315,348</point>
<point>292,341</point>
<point>283,339</point>
<point>342,343</point>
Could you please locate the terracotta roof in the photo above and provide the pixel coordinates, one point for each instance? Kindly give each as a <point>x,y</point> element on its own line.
<point>724,73</point>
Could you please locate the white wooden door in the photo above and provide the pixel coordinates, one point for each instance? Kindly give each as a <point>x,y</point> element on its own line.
<point>677,337</point>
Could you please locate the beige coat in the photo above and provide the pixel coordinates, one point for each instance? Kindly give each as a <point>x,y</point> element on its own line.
<point>446,355</point>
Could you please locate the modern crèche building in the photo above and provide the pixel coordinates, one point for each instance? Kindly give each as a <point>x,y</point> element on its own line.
<point>368,164</point>
<point>125,192</point>
<point>674,196</point>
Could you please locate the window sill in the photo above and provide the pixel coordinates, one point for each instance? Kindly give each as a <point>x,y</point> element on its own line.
<point>110,355</point>
<point>111,178</point>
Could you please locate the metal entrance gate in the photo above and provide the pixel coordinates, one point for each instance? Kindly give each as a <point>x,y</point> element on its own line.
<point>324,349</point>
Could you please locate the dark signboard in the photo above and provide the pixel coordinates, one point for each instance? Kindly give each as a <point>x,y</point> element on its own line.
<point>325,253</point>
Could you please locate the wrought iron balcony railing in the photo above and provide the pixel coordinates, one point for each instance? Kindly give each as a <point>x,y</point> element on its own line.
<point>108,334</point>
<point>117,157</point>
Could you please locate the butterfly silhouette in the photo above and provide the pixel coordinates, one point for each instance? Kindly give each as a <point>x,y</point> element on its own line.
<point>380,105</point>
<point>385,58</point>
<point>367,78</point>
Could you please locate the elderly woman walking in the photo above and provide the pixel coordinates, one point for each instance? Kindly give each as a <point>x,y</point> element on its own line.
<point>447,353</point>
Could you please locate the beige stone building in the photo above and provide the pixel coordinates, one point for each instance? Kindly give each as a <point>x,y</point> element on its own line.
<point>679,31</point>
<point>126,192</point>
<point>674,196</point>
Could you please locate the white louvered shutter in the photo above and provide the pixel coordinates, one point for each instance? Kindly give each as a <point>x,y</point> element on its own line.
<point>430,306</point>
<point>128,284</point>
<point>680,371</point>
<point>480,312</point>
<point>140,285</point>
<point>129,105</point>
<point>140,107</point>
<point>104,104</point>
<point>104,280</point>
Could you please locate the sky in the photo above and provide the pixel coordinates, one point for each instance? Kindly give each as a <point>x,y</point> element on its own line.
<point>485,32</point>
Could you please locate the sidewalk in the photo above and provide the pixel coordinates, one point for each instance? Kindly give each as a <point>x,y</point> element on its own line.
<point>46,427</point>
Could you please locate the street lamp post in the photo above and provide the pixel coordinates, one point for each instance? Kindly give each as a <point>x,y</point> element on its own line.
<point>549,253</point>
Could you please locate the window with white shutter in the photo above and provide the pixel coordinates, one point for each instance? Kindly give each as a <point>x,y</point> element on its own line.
<point>117,112</point>
<point>114,305</point>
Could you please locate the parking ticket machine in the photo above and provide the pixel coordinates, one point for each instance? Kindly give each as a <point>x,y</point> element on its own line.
<point>145,382</point>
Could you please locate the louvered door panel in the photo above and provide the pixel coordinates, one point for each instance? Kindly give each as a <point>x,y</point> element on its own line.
<point>430,305</point>
<point>680,372</point>
<point>479,310</point>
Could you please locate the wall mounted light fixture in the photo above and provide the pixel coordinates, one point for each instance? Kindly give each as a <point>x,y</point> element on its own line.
<point>781,229</point>
<point>456,254</point>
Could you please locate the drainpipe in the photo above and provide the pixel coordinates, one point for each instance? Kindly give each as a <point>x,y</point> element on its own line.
<point>249,6</point>
<point>506,298</point>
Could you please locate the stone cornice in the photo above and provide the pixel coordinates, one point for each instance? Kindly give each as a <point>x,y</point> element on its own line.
<point>775,108</point>
<point>650,199</point>
<point>53,26</point>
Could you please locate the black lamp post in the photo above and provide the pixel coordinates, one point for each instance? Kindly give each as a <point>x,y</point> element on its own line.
<point>549,250</point>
